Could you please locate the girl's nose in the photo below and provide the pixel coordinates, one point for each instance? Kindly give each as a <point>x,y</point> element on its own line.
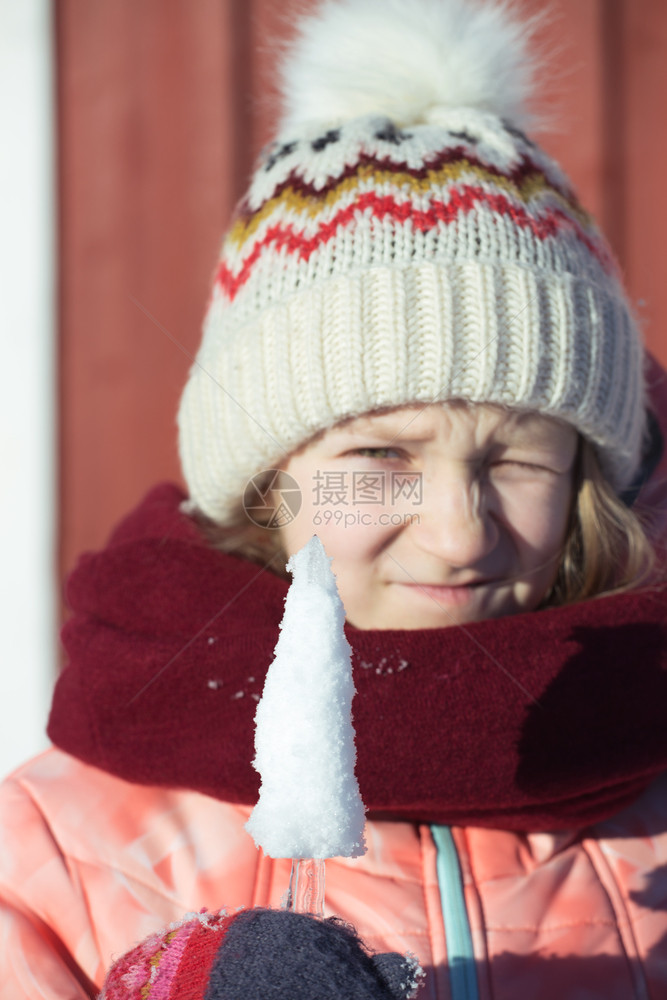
<point>455,521</point>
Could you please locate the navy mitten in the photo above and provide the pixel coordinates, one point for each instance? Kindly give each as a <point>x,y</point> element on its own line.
<point>276,954</point>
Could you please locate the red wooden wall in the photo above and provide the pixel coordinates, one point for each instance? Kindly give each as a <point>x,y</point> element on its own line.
<point>162,105</point>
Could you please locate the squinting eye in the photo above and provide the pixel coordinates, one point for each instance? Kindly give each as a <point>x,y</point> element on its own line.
<point>376,452</point>
<point>514,464</point>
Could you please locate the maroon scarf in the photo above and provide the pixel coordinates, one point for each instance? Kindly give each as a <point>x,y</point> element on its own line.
<point>541,721</point>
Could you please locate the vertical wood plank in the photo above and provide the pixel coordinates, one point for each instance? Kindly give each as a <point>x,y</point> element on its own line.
<point>613,118</point>
<point>151,157</point>
<point>643,150</point>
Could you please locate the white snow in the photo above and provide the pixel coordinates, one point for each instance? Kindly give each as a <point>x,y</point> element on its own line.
<point>309,803</point>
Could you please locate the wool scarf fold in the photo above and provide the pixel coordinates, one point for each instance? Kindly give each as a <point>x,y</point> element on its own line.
<point>542,721</point>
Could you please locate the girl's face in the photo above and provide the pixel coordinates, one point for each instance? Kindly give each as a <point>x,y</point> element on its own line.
<point>437,516</point>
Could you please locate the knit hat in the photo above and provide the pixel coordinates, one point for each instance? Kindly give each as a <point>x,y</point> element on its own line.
<point>259,954</point>
<point>404,241</point>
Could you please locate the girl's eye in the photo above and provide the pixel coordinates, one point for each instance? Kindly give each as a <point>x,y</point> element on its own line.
<point>515,464</point>
<point>376,452</point>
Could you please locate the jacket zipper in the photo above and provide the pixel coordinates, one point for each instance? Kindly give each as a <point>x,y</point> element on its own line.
<point>460,954</point>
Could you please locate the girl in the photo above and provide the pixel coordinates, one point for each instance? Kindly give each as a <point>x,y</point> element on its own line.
<point>417,346</point>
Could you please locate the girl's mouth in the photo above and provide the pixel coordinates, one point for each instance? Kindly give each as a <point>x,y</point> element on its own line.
<point>453,595</point>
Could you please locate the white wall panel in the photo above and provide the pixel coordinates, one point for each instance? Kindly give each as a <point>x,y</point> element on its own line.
<point>27,381</point>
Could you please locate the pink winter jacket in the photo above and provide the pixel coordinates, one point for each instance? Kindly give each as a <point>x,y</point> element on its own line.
<point>90,864</point>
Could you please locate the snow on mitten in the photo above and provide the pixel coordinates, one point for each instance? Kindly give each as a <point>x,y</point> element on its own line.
<point>259,955</point>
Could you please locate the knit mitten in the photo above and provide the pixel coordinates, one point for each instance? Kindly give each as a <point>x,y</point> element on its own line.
<point>259,955</point>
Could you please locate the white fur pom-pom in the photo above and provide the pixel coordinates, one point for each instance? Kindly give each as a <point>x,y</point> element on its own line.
<point>409,60</point>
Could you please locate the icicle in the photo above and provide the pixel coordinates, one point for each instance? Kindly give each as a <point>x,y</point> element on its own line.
<point>309,804</point>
